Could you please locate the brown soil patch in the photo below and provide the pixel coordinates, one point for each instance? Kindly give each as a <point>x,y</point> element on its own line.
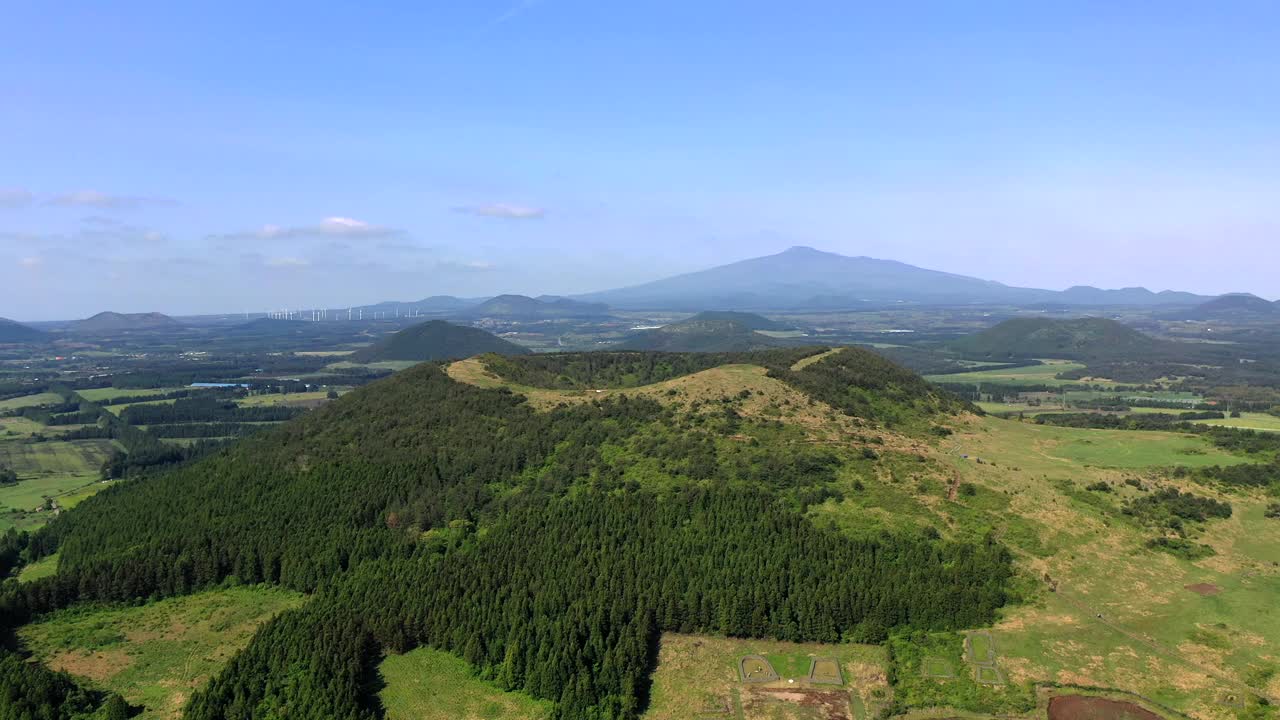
<point>1203,588</point>
<point>97,666</point>
<point>828,704</point>
<point>1083,707</point>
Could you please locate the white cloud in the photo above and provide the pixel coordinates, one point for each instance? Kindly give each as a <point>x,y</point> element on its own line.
<point>340,227</point>
<point>503,211</point>
<point>15,197</point>
<point>471,266</point>
<point>31,262</point>
<point>101,200</point>
<point>286,262</point>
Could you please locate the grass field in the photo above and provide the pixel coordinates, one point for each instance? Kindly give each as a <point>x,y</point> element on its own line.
<point>300,398</point>
<point>67,457</point>
<point>44,567</point>
<point>1248,421</point>
<point>1122,615</point>
<point>697,676</point>
<point>429,684</point>
<point>1045,374</point>
<point>100,394</point>
<point>67,471</point>
<point>30,401</point>
<point>20,427</point>
<point>155,654</point>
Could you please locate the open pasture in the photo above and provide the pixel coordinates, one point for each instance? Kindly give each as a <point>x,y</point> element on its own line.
<point>111,393</point>
<point>430,684</point>
<point>1045,374</point>
<point>65,457</point>
<point>26,401</point>
<point>156,654</point>
<point>1120,614</point>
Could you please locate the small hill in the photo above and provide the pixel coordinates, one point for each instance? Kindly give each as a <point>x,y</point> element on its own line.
<point>436,340</point>
<point>546,307</point>
<point>750,320</point>
<point>124,322</point>
<point>705,332</point>
<point>1078,339</point>
<point>15,332</point>
<point>1237,305</point>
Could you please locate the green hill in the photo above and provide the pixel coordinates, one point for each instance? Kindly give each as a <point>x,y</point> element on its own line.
<point>16,332</point>
<point>436,340</point>
<point>105,322</point>
<point>707,332</point>
<point>1230,307</point>
<point>522,307</point>
<point>549,550</point>
<point>1077,339</point>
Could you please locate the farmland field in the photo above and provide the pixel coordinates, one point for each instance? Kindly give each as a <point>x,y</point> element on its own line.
<point>1248,421</point>
<point>155,654</point>
<point>41,459</point>
<point>30,401</point>
<point>429,684</point>
<point>110,393</point>
<point>1045,374</point>
<point>698,676</point>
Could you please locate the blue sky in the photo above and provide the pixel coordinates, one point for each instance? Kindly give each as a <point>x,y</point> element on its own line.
<point>234,156</point>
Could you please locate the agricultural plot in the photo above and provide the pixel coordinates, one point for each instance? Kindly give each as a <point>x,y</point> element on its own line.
<point>44,459</point>
<point>301,399</point>
<point>30,401</point>
<point>429,684</point>
<point>704,677</point>
<point>155,655</point>
<point>1046,374</point>
<point>111,393</point>
<point>1248,421</point>
<point>754,668</point>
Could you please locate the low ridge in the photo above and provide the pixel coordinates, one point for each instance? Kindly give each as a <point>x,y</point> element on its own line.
<point>436,340</point>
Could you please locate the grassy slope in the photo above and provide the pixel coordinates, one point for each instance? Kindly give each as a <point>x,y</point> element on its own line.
<point>155,654</point>
<point>1155,637</point>
<point>110,393</point>
<point>428,684</point>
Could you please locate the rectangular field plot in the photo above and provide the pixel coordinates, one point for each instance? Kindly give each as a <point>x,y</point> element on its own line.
<point>71,457</point>
<point>936,667</point>
<point>701,677</point>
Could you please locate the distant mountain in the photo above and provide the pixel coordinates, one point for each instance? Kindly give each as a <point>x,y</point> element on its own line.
<point>15,332</point>
<point>437,340</point>
<point>804,278</point>
<point>705,332</point>
<point>523,307</point>
<point>1079,339</point>
<point>124,322</point>
<point>434,305</point>
<point>1235,306</point>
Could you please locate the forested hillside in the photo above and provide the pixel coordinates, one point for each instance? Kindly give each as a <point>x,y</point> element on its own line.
<point>436,340</point>
<point>549,549</point>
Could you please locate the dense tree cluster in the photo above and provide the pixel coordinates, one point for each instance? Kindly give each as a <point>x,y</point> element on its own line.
<point>205,410</point>
<point>548,549</point>
<point>30,691</point>
<point>7,475</point>
<point>1169,507</point>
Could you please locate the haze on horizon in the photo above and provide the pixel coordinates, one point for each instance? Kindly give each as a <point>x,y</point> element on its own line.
<point>243,157</point>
